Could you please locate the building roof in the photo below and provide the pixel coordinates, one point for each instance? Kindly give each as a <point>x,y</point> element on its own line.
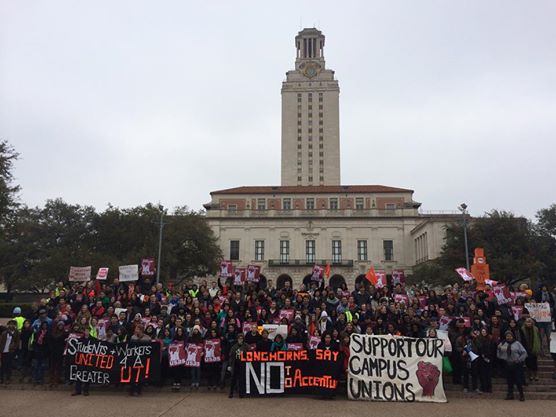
<point>313,189</point>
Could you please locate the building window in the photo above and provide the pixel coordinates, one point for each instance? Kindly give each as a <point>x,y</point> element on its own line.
<point>388,249</point>
<point>310,203</point>
<point>234,250</point>
<point>284,251</point>
<point>359,203</point>
<point>286,204</point>
<point>333,204</point>
<point>310,179</point>
<point>321,178</point>
<point>259,250</point>
<point>336,251</point>
<point>310,251</point>
<point>298,178</point>
<point>299,146</point>
<point>232,207</point>
<point>390,206</point>
<point>261,204</point>
<point>362,250</point>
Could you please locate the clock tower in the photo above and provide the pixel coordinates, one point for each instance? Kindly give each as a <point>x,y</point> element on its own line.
<point>310,117</point>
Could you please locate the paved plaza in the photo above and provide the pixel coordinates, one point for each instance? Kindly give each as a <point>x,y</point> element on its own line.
<point>29,403</point>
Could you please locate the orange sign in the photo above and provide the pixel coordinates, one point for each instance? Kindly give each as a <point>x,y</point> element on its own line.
<point>480,269</point>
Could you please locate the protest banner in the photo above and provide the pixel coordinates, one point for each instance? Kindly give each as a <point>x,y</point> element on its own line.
<point>274,329</point>
<point>194,352</point>
<point>290,372</point>
<point>102,274</point>
<point>176,354</point>
<point>79,273</point>
<point>97,362</point>
<point>147,267</point>
<point>395,368</point>
<point>253,273</point>
<point>128,273</point>
<point>540,312</point>
<point>213,351</point>
<point>443,335</point>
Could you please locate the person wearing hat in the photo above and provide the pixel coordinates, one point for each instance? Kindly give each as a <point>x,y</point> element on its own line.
<point>43,318</point>
<point>19,319</point>
<point>196,338</point>
<point>513,354</point>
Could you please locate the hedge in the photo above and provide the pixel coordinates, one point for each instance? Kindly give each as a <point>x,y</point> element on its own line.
<point>27,310</point>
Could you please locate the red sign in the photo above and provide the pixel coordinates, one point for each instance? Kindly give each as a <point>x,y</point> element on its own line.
<point>287,314</point>
<point>239,276</point>
<point>176,354</point>
<point>102,274</point>
<point>253,273</point>
<point>193,352</point>
<point>147,267</point>
<point>314,342</point>
<point>398,276</point>
<point>213,351</point>
<point>226,269</point>
<point>380,279</point>
<point>317,274</point>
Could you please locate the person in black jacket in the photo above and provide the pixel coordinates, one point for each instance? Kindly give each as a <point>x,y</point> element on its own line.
<point>485,348</point>
<point>265,343</point>
<point>57,342</point>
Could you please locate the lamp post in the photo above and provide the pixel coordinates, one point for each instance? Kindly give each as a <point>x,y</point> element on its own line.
<point>463,209</point>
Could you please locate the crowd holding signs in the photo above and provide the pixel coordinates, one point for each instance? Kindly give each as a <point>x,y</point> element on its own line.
<point>383,340</point>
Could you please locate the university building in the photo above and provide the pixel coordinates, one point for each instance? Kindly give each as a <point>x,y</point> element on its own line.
<point>311,218</point>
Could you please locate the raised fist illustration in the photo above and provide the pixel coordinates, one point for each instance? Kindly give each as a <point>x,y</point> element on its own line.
<point>428,376</point>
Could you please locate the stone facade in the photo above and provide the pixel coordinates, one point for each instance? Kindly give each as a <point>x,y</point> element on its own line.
<point>310,117</point>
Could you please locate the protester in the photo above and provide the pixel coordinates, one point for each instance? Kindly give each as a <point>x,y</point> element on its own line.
<point>513,354</point>
<point>531,340</point>
<point>9,343</point>
<point>234,363</point>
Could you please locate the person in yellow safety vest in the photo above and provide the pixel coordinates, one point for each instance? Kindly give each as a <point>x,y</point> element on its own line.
<point>193,292</point>
<point>19,319</point>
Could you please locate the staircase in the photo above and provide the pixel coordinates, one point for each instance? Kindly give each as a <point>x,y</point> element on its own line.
<point>543,389</point>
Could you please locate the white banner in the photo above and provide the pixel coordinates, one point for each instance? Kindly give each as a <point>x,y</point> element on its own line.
<point>395,368</point>
<point>79,273</point>
<point>129,273</point>
<point>540,312</point>
<point>274,329</point>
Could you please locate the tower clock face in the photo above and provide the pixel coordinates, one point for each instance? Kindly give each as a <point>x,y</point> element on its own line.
<point>311,69</point>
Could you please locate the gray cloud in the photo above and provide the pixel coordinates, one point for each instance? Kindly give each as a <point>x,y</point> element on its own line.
<point>129,102</point>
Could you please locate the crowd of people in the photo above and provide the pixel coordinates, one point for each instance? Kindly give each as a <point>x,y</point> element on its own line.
<point>487,338</point>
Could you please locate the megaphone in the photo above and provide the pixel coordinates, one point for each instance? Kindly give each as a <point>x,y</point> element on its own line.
<point>473,356</point>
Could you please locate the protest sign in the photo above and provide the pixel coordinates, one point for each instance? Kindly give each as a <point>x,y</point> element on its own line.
<point>394,368</point>
<point>176,354</point>
<point>314,342</point>
<point>502,294</point>
<point>287,314</point>
<point>253,273</point>
<point>540,312</point>
<point>225,269</point>
<point>79,273</point>
<point>248,326</point>
<point>194,352</point>
<point>553,343</point>
<point>97,362</point>
<point>398,276</point>
<point>147,267</point>
<point>401,298</point>
<point>443,335</point>
<point>239,276</point>
<point>464,274</point>
<point>213,351</point>
<point>129,273</point>
<point>517,310</point>
<point>290,372</point>
<point>317,273</point>
<point>295,346</point>
<point>102,274</point>
<point>274,329</point>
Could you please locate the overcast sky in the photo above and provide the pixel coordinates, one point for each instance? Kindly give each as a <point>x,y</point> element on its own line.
<point>126,102</point>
